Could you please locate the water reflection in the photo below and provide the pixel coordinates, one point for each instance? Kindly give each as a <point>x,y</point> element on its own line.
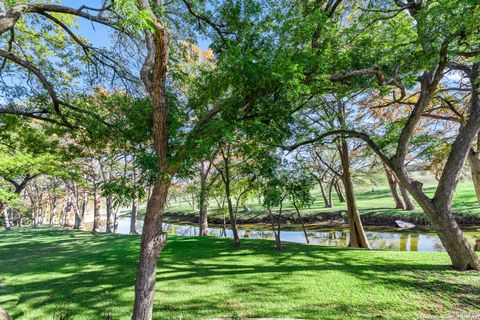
<point>399,241</point>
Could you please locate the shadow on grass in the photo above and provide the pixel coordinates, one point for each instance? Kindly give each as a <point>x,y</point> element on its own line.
<point>93,276</point>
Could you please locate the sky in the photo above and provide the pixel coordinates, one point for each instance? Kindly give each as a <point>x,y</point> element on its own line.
<point>99,35</point>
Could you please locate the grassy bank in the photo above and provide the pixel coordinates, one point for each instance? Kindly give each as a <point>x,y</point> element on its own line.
<point>47,272</point>
<point>374,205</point>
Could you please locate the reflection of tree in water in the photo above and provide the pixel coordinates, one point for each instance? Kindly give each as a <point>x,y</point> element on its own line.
<point>403,241</point>
<point>414,242</point>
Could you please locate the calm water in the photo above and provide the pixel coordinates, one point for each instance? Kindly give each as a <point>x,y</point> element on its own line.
<point>400,241</point>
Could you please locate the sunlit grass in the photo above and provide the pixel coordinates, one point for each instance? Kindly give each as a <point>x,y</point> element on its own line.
<point>48,271</point>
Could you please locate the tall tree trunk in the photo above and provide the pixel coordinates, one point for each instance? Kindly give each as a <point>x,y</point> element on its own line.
<point>226,181</point>
<point>409,206</point>
<point>97,219</point>
<point>474,161</point>
<point>153,74</point>
<point>203,219</point>
<point>393,184</point>
<point>358,238</point>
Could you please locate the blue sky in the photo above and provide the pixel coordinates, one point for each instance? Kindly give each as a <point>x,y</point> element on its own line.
<point>98,34</point>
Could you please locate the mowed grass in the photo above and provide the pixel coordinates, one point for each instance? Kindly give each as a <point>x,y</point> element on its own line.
<point>372,201</point>
<point>46,273</point>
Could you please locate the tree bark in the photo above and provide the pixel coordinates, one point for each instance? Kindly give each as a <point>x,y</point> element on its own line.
<point>153,240</point>
<point>474,161</point>
<point>3,211</point>
<point>203,219</point>
<point>53,206</point>
<point>439,209</point>
<point>278,242</point>
<point>110,228</point>
<point>409,206</point>
<point>97,219</point>
<point>330,192</point>
<point>339,192</point>
<point>393,184</point>
<point>326,203</point>
<point>301,221</point>
<point>133,215</point>
<point>358,238</point>
<point>153,74</point>
<point>226,181</point>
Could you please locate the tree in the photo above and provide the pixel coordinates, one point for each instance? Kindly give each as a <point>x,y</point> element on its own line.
<point>434,52</point>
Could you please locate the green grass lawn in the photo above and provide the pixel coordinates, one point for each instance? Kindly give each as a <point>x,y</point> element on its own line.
<point>375,202</point>
<point>48,272</point>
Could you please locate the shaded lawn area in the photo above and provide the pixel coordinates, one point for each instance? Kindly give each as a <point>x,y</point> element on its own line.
<point>375,203</point>
<point>48,272</point>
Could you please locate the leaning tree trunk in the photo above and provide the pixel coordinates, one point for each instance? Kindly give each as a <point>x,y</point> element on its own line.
<point>301,221</point>
<point>339,192</point>
<point>233,220</point>
<point>326,203</point>
<point>358,238</point>
<point>409,206</point>
<point>441,217</point>
<point>439,209</point>
<point>393,184</point>
<point>474,161</point>
<point>203,218</point>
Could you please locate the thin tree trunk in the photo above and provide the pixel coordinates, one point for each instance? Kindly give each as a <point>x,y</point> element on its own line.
<point>301,221</point>
<point>133,215</point>
<point>326,203</point>
<point>226,181</point>
<point>53,206</point>
<point>474,161</point>
<point>330,192</point>
<point>97,219</point>
<point>393,184</point>
<point>339,192</point>
<point>278,242</point>
<point>3,211</point>
<point>203,219</point>
<point>409,205</point>
<point>110,215</point>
